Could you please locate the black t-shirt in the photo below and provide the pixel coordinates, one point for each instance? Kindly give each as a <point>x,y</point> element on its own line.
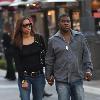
<point>29,56</point>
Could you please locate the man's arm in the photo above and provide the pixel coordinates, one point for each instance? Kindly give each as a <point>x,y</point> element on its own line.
<point>87,63</point>
<point>49,61</point>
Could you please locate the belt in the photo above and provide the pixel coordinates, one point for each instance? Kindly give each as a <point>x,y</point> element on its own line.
<point>32,74</point>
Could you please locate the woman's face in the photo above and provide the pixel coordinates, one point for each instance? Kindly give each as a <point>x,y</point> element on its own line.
<point>26,26</point>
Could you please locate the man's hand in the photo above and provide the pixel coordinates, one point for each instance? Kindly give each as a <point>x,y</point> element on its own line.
<point>50,80</point>
<point>88,76</point>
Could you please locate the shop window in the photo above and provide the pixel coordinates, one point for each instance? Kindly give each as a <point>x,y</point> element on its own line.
<point>51,22</point>
<point>76,20</point>
<point>96,15</point>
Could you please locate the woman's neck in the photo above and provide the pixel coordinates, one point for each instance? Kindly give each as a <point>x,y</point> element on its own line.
<point>26,35</point>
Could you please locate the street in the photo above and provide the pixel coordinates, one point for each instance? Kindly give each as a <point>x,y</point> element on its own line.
<point>9,90</point>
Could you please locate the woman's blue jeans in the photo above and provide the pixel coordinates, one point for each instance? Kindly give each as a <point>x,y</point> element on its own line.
<point>37,85</point>
<point>70,91</point>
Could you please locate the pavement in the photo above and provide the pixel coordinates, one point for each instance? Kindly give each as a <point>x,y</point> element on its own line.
<point>91,87</point>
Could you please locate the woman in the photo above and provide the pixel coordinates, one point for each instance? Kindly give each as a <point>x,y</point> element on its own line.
<point>8,51</point>
<point>29,60</point>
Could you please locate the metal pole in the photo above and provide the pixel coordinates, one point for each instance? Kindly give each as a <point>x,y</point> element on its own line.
<point>86,19</point>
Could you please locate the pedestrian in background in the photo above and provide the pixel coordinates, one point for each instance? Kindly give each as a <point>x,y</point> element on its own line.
<point>68,61</point>
<point>29,60</point>
<point>8,51</point>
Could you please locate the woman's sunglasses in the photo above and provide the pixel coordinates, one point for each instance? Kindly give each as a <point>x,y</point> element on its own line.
<point>27,25</point>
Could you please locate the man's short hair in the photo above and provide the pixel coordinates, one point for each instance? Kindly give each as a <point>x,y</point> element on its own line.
<point>62,15</point>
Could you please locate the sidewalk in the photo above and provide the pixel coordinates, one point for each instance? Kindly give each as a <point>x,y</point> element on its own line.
<point>93,83</point>
<point>92,87</point>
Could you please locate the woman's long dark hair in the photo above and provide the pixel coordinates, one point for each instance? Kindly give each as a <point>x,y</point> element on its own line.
<point>18,35</point>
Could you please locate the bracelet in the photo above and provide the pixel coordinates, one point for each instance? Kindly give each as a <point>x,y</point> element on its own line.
<point>23,81</point>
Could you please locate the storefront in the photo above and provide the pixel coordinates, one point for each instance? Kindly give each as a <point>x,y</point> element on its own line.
<point>46,15</point>
<point>96,15</point>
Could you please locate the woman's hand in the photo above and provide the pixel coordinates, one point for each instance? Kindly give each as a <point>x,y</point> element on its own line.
<point>25,84</point>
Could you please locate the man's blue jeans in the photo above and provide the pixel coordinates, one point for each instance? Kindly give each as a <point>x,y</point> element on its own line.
<point>37,85</point>
<point>73,90</point>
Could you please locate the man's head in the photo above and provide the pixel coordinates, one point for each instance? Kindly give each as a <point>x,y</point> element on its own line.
<point>64,23</point>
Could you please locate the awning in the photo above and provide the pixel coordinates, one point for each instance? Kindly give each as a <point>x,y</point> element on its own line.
<point>5,2</point>
<point>19,2</point>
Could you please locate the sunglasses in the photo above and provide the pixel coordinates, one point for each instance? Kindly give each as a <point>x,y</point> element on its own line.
<point>27,25</point>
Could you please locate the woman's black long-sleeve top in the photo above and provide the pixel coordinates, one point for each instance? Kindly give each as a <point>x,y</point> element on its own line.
<point>30,57</point>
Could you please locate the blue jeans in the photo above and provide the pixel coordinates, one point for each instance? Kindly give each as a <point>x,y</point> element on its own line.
<point>73,91</point>
<point>37,85</point>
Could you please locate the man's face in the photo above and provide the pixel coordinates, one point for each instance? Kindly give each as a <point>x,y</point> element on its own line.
<point>64,24</point>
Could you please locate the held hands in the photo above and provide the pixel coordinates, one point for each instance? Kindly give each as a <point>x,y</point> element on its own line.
<point>51,80</point>
<point>88,76</point>
<point>25,84</point>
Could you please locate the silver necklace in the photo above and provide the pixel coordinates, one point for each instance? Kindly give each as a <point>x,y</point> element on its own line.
<point>67,41</point>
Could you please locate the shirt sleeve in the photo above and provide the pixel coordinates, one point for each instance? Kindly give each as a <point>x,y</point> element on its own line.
<point>43,51</point>
<point>49,60</point>
<point>43,43</point>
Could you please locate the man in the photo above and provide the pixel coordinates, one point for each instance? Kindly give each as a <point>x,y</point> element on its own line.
<point>68,61</point>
